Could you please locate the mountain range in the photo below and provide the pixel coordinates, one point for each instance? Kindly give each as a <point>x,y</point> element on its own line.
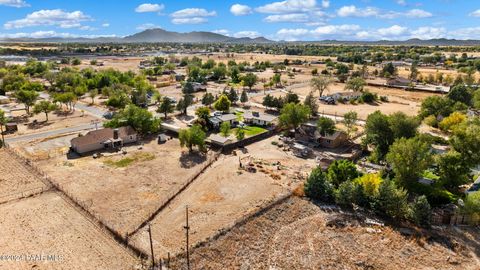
<point>158,35</point>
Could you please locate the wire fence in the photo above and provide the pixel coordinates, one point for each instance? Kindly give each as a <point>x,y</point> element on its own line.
<point>84,207</point>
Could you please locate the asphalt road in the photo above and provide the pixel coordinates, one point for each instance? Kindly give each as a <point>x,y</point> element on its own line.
<point>40,135</point>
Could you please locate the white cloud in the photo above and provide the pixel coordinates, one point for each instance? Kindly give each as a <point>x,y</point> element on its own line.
<point>49,34</point>
<point>191,16</point>
<point>325,3</point>
<point>476,13</point>
<point>394,30</point>
<point>402,2</point>
<point>427,32</point>
<point>292,34</point>
<point>224,32</point>
<point>193,12</point>
<point>146,26</point>
<point>14,3</point>
<point>465,33</point>
<point>54,17</point>
<point>294,17</point>
<point>194,20</point>
<point>105,25</point>
<point>240,10</point>
<point>418,13</point>
<point>250,34</point>
<point>353,11</point>
<point>288,6</point>
<point>147,7</point>
<point>344,29</point>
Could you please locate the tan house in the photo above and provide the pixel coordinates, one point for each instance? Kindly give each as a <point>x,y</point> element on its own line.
<point>106,138</point>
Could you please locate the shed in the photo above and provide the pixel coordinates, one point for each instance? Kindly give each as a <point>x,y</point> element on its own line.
<point>219,140</point>
<point>162,138</point>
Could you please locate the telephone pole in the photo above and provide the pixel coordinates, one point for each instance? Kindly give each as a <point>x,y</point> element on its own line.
<point>187,228</point>
<point>151,245</point>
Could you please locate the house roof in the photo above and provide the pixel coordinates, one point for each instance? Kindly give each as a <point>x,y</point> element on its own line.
<point>102,135</point>
<point>261,116</point>
<point>217,139</point>
<point>227,117</point>
<point>333,136</point>
<point>347,94</point>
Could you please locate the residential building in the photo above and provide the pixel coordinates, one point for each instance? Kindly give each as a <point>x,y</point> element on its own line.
<point>217,120</point>
<point>259,119</point>
<point>106,138</point>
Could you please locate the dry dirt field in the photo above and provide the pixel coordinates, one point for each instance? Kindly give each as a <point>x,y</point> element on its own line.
<point>46,225</point>
<point>224,194</point>
<point>298,234</point>
<point>16,180</point>
<point>123,197</point>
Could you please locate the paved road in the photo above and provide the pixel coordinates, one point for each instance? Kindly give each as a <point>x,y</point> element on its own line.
<point>94,111</point>
<point>35,136</point>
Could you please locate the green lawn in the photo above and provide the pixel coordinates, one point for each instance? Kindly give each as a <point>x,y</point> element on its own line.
<point>239,116</point>
<point>251,130</point>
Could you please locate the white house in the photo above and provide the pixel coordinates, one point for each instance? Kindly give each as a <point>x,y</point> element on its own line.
<point>259,119</point>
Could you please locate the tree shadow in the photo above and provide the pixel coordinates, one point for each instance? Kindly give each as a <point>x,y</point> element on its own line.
<point>38,125</point>
<point>191,159</point>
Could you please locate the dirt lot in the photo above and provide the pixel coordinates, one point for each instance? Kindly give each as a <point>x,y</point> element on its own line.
<point>224,194</point>
<point>124,196</point>
<point>298,234</point>
<point>46,225</point>
<point>55,121</point>
<point>16,180</point>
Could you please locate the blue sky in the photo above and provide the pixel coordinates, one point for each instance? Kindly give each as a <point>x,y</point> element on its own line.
<point>278,20</point>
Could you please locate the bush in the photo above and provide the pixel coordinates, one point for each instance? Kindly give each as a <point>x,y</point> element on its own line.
<point>317,186</point>
<point>421,212</point>
<point>370,183</point>
<point>368,97</point>
<point>431,120</point>
<point>349,193</point>
<point>391,200</point>
<point>342,170</point>
<point>384,99</point>
<point>439,196</point>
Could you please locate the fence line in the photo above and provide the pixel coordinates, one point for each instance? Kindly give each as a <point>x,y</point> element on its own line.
<point>82,207</point>
<point>23,194</point>
<point>174,194</point>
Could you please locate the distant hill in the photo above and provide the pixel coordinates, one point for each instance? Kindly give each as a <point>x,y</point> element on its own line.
<point>409,42</point>
<point>151,36</point>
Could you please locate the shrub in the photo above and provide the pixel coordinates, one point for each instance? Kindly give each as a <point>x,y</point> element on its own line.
<point>317,186</point>
<point>391,200</point>
<point>383,98</point>
<point>431,120</point>
<point>367,97</point>
<point>421,212</point>
<point>340,171</point>
<point>370,183</point>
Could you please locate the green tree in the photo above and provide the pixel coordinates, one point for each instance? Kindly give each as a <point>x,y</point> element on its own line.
<point>249,80</point>
<point>293,115</point>
<point>240,134</point>
<point>117,100</point>
<point>472,203</point>
<point>44,106</point>
<point>356,84</point>
<point>340,171</point>
<point>235,74</point>
<point>317,186</point>
<point>184,103</point>
<point>225,129</point>
<point>208,99</point>
<point>191,137</point>
<point>166,106</point>
<point>421,213</point>
<point>232,96</point>
<point>437,106</point>
<point>403,126</point>
<point>409,158</point>
<point>140,119</point>
<point>466,141</point>
<point>453,170</point>
<point>222,104</point>
<point>391,200</point>
<point>27,97</point>
<point>350,120</point>
<point>311,102</point>
<point>92,94</point>
<point>326,126</point>
<point>460,93</point>
<point>277,79</point>
<point>320,84</point>
<point>379,134</point>
<point>244,97</point>
<point>76,62</point>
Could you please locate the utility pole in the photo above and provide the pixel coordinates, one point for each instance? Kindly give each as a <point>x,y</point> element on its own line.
<point>187,228</point>
<point>151,245</point>
<point>95,122</point>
